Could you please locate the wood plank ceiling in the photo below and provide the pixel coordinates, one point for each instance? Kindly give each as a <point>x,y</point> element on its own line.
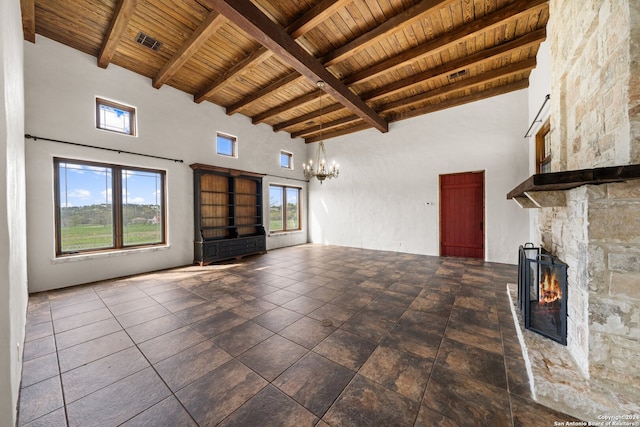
<point>381,60</point>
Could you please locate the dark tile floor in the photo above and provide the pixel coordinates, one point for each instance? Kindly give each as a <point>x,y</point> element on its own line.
<point>308,335</point>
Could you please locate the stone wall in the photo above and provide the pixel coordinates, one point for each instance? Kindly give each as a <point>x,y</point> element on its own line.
<point>614,286</point>
<point>563,231</point>
<point>597,234</point>
<point>595,122</point>
<point>596,89</point>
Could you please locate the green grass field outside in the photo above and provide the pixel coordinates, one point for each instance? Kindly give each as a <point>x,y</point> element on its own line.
<point>83,237</point>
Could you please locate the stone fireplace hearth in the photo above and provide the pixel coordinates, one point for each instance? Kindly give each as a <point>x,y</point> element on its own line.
<point>557,382</point>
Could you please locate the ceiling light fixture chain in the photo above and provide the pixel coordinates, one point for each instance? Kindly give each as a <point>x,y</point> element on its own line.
<point>322,171</point>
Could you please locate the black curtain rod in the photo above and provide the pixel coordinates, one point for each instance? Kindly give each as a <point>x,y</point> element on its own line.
<point>35,138</point>
<point>289,178</point>
<point>535,119</point>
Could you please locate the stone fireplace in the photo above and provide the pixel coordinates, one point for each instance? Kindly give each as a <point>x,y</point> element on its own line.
<point>594,224</point>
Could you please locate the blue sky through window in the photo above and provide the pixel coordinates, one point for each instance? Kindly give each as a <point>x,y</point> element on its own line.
<point>83,185</point>
<point>225,145</point>
<point>115,119</point>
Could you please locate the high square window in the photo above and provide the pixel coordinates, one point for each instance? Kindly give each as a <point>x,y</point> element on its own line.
<point>284,208</point>
<point>107,207</point>
<point>226,145</point>
<point>286,160</point>
<point>115,117</point>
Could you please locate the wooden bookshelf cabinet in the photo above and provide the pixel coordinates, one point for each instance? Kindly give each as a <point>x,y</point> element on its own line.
<point>227,214</point>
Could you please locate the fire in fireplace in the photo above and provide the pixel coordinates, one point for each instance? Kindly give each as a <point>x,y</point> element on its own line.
<point>543,294</point>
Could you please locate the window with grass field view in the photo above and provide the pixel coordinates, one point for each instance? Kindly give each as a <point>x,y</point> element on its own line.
<point>284,208</point>
<point>102,207</point>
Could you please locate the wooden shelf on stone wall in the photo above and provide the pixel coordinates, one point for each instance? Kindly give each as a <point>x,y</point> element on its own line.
<point>547,189</point>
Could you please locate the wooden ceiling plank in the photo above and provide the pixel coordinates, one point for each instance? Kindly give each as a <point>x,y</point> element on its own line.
<point>388,27</point>
<point>257,55</point>
<point>298,102</point>
<point>298,28</point>
<point>199,37</point>
<point>446,69</point>
<point>28,9</point>
<point>287,80</point>
<point>441,71</point>
<point>498,73</point>
<point>316,15</point>
<point>493,20</point>
<point>325,126</point>
<point>447,40</point>
<point>487,93</point>
<point>494,75</point>
<point>307,117</point>
<point>360,43</point>
<point>247,17</point>
<point>336,133</point>
<point>124,11</point>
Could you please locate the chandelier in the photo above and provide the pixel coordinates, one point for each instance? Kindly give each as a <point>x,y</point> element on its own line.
<point>322,171</point>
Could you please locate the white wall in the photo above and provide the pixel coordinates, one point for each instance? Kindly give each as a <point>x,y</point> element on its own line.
<point>387,195</point>
<point>61,85</point>
<point>13,254</point>
<point>539,88</point>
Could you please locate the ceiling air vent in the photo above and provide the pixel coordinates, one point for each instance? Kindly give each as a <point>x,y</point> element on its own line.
<point>457,74</point>
<point>148,41</point>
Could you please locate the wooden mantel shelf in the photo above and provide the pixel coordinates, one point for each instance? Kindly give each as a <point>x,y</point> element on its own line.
<point>547,189</point>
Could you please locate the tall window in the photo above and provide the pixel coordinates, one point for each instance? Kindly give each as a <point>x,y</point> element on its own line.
<point>543,148</point>
<point>115,117</point>
<point>101,207</point>
<point>226,145</point>
<point>284,208</point>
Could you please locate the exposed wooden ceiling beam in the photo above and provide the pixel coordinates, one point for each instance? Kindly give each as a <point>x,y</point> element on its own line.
<point>444,70</point>
<point>477,96</point>
<point>438,44</point>
<point>487,93</point>
<point>441,71</point>
<point>361,42</point>
<point>28,8</point>
<point>289,79</point>
<point>317,129</point>
<point>124,11</point>
<point>308,117</point>
<point>298,28</point>
<point>339,132</point>
<point>406,17</point>
<point>459,35</point>
<point>257,55</point>
<point>303,100</point>
<point>199,37</point>
<point>247,17</point>
<point>484,78</point>
<point>315,16</point>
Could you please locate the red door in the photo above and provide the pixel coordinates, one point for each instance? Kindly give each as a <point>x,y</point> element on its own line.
<point>462,215</point>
